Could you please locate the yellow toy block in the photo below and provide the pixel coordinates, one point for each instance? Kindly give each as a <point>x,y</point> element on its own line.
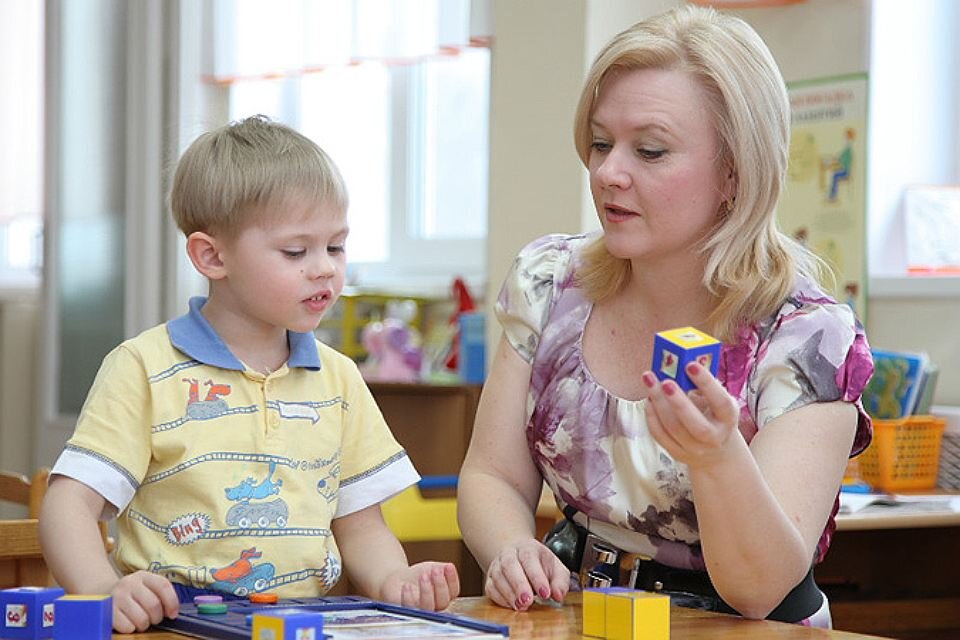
<point>594,613</point>
<point>637,615</point>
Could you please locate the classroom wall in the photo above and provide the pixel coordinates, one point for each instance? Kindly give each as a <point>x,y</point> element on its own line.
<point>539,61</point>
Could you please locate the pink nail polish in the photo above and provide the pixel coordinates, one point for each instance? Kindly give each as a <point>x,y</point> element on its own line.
<point>648,379</point>
<point>669,388</point>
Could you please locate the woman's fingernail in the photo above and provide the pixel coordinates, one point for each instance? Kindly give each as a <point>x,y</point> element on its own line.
<point>693,369</point>
<point>669,388</point>
<point>544,592</point>
<point>648,379</point>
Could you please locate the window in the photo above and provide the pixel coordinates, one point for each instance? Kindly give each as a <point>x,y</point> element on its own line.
<point>914,137</point>
<point>398,94</point>
<point>21,129</point>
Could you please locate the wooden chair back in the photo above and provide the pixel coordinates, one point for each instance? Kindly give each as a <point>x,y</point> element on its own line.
<point>19,489</point>
<point>21,562</point>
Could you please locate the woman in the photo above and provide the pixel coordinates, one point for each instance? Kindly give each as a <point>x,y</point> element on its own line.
<point>683,125</point>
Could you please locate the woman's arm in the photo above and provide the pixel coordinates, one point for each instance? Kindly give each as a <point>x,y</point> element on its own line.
<point>499,489</point>
<point>761,508</point>
<point>377,564</point>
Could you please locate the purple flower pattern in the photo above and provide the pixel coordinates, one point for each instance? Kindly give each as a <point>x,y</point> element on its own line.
<point>593,448</point>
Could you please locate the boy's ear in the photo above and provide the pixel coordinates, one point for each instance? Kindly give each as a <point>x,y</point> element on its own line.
<point>204,252</point>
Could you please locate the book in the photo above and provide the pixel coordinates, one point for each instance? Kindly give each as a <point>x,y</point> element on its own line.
<point>895,387</point>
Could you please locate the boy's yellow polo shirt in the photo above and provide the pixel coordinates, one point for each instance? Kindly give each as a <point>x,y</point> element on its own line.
<point>225,478</point>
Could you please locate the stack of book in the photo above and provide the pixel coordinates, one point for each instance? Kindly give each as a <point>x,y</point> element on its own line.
<point>902,385</point>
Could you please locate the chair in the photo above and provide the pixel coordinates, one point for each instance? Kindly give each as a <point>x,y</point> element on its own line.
<point>21,561</point>
<point>414,518</point>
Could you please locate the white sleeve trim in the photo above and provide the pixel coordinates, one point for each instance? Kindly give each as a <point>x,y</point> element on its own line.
<point>97,474</point>
<point>376,487</point>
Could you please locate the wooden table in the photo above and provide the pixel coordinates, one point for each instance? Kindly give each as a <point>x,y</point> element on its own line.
<point>890,572</point>
<point>561,623</point>
<point>894,572</point>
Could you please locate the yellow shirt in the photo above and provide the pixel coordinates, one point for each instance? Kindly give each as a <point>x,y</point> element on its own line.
<point>225,478</point>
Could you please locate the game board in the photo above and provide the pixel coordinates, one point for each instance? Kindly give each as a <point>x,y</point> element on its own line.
<point>344,617</point>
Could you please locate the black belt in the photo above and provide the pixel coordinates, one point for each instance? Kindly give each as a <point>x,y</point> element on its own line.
<point>598,563</point>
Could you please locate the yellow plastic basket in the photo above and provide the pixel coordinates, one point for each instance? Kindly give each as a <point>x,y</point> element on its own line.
<point>903,455</point>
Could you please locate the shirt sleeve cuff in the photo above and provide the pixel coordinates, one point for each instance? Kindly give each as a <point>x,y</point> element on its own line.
<point>374,488</point>
<point>100,476</point>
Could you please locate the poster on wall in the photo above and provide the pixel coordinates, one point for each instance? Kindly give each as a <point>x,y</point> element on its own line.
<point>824,203</point>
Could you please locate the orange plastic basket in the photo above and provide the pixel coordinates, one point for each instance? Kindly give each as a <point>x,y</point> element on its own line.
<point>903,455</point>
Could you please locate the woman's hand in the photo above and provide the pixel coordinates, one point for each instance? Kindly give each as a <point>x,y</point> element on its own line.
<point>694,428</point>
<point>522,570</point>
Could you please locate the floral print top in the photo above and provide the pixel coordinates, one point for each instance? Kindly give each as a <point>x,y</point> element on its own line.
<point>593,448</point>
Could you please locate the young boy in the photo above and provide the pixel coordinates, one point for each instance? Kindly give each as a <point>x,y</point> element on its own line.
<point>241,454</point>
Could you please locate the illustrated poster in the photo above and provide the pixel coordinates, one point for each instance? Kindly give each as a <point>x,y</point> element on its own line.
<point>824,204</point>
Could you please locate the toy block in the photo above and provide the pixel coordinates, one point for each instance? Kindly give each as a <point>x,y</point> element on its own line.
<point>82,617</point>
<point>674,349</point>
<point>287,624</point>
<point>28,612</point>
<point>637,615</point>
<point>595,610</point>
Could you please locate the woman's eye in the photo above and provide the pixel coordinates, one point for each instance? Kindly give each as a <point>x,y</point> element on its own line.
<point>294,253</point>
<point>334,249</point>
<point>600,145</point>
<point>651,154</point>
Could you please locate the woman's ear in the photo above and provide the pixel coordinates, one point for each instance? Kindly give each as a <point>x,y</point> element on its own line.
<point>204,252</point>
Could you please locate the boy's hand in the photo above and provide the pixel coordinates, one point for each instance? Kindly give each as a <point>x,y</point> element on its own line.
<point>141,599</point>
<point>426,585</point>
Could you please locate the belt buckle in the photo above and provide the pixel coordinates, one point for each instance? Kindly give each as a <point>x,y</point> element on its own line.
<point>604,565</point>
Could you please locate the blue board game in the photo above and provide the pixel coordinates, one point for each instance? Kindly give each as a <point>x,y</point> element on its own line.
<point>343,617</point>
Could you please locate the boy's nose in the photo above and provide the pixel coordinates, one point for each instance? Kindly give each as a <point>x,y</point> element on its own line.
<point>322,267</point>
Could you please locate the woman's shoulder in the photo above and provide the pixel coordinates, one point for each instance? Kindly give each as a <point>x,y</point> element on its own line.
<point>552,247</point>
<point>809,307</point>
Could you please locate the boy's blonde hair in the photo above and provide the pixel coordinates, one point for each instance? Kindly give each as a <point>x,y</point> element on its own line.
<point>227,178</point>
<point>750,265</point>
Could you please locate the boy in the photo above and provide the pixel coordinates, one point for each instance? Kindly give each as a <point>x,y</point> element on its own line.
<point>241,454</point>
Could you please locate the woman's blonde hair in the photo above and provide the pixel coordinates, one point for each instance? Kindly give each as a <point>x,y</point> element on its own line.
<point>229,177</point>
<point>750,265</point>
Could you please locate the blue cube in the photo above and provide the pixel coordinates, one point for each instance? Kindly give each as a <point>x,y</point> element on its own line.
<point>83,618</point>
<point>287,624</point>
<point>28,612</point>
<point>673,350</point>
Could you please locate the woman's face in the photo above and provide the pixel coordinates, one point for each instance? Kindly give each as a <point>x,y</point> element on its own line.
<point>655,173</point>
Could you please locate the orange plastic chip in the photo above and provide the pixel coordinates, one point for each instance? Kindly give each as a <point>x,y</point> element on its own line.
<point>263,598</point>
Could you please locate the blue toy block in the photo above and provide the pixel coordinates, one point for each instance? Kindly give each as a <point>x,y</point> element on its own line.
<point>83,618</point>
<point>28,612</point>
<point>673,350</point>
<point>287,624</point>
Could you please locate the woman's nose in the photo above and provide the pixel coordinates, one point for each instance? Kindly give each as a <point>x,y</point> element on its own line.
<point>612,171</point>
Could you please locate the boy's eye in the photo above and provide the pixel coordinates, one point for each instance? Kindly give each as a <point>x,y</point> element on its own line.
<point>294,253</point>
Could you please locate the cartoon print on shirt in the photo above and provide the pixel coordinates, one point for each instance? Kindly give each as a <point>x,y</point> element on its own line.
<point>212,406</point>
<point>325,487</point>
<point>245,514</point>
<point>242,577</point>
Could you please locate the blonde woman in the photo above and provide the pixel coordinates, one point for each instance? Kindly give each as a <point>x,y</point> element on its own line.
<point>725,498</point>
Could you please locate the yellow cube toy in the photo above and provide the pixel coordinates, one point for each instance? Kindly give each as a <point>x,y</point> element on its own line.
<point>637,615</point>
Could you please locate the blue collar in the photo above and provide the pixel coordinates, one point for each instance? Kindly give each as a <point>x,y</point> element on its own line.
<point>193,335</point>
